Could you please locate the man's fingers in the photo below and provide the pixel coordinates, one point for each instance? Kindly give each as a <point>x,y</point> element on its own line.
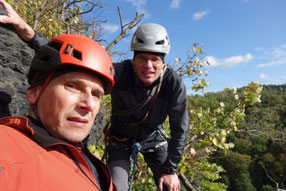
<point>4,19</point>
<point>160,185</point>
<point>5,4</point>
<point>8,7</point>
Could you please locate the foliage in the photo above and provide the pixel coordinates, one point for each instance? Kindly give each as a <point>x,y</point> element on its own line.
<point>268,188</point>
<point>55,17</point>
<point>106,102</point>
<point>143,176</point>
<point>268,118</point>
<point>265,167</point>
<point>237,170</point>
<point>193,68</point>
<point>98,150</point>
<point>209,129</point>
<point>260,137</point>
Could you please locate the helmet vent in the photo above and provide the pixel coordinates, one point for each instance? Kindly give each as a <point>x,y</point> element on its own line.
<point>161,42</point>
<point>140,40</point>
<point>76,54</point>
<point>55,45</point>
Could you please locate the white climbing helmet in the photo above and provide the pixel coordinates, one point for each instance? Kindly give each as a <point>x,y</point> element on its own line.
<point>151,37</point>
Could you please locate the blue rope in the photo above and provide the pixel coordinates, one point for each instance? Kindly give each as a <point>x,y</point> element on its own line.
<point>134,152</point>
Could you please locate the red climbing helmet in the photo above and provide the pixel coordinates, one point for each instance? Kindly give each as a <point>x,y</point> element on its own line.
<point>73,50</point>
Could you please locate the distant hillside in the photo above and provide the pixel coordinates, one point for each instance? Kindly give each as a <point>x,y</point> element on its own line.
<point>258,159</point>
<point>266,118</point>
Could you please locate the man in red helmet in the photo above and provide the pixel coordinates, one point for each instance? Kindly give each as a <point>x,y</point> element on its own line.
<point>45,150</point>
<point>145,93</point>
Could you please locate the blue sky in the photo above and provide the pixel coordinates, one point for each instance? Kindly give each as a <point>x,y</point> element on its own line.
<point>245,40</point>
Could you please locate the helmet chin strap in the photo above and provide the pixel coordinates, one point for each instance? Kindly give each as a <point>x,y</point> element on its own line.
<point>35,106</point>
<point>44,86</point>
<point>36,113</point>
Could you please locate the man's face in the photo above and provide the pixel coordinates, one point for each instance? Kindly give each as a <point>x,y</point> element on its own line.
<point>69,104</point>
<point>148,67</point>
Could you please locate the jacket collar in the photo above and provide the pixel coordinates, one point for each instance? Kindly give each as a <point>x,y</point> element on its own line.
<point>35,130</point>
<point>41,135</point>
<point>44,138</point>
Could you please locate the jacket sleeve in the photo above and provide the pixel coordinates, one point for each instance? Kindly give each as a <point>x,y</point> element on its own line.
<point>37,41</point>
<point>179,124</point>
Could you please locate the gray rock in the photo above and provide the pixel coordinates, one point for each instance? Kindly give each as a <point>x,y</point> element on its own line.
<point>13,83</point>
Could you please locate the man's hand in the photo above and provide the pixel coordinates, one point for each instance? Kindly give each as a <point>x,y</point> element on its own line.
<point>171,181</point>
<point>22,28</point>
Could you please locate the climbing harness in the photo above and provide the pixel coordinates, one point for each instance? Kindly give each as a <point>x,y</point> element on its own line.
<point>139,147</point>
<point>135,150</point>
<point>107,137</point>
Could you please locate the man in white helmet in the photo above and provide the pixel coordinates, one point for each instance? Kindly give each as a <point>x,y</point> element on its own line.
<point>145,93</point>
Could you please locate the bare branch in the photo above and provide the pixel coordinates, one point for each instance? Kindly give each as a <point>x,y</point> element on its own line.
<point>186,183</point>
<point>71,3</point>
<point>120,17</point>
<point>267,174</point>
<point>124,30</point>
<point>38,14</point>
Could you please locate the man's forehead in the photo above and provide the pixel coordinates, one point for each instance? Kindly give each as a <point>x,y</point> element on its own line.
<point>148,55</point>
<point>80,76</point>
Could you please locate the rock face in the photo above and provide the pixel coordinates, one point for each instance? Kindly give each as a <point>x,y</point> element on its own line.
<point>15,59</point>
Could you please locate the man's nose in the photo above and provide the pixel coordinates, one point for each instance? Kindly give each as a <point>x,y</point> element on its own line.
<point>148,63</point>
<point>87,102</point>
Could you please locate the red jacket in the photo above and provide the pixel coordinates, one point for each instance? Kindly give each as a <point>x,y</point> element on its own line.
<point>32,160</point>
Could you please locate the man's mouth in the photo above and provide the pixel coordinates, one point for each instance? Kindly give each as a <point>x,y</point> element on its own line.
<point>148,74</point>
<point>77,120</point>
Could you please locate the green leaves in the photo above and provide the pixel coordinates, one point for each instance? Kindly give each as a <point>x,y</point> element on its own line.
<point>193,68</point>
<point>55,17</point>
<point>208,131</point>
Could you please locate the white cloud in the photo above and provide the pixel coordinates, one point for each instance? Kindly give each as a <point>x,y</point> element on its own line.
<point>200,15</point>
<point>276,56</point>
<point>272,63</point>
<point>279,52</point>
<point>137,3</point>
<point>140,6</point>
<point>245,1</point>
<point>229,62</point>
<point>259,48</point>
<point>175,4</point>
<point>273,79</point>
<point>110,28</point>
<point>263,76</point>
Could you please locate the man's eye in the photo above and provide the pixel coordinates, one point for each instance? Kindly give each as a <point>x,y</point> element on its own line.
<point>141,58</point>
<point>96,94</point>
<point>156,60</point>
<point>71,86</point>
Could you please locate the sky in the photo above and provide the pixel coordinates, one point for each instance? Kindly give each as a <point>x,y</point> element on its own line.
<point>244,40</point>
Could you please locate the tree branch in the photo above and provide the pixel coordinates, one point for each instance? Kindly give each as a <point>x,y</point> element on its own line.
<point>186,183</point>
<point>124,30</point>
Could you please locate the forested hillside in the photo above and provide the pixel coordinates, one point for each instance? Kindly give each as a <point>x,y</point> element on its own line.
<point>258,159</point>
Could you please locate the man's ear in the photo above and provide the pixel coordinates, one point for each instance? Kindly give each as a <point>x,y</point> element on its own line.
<point>32,94</point>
